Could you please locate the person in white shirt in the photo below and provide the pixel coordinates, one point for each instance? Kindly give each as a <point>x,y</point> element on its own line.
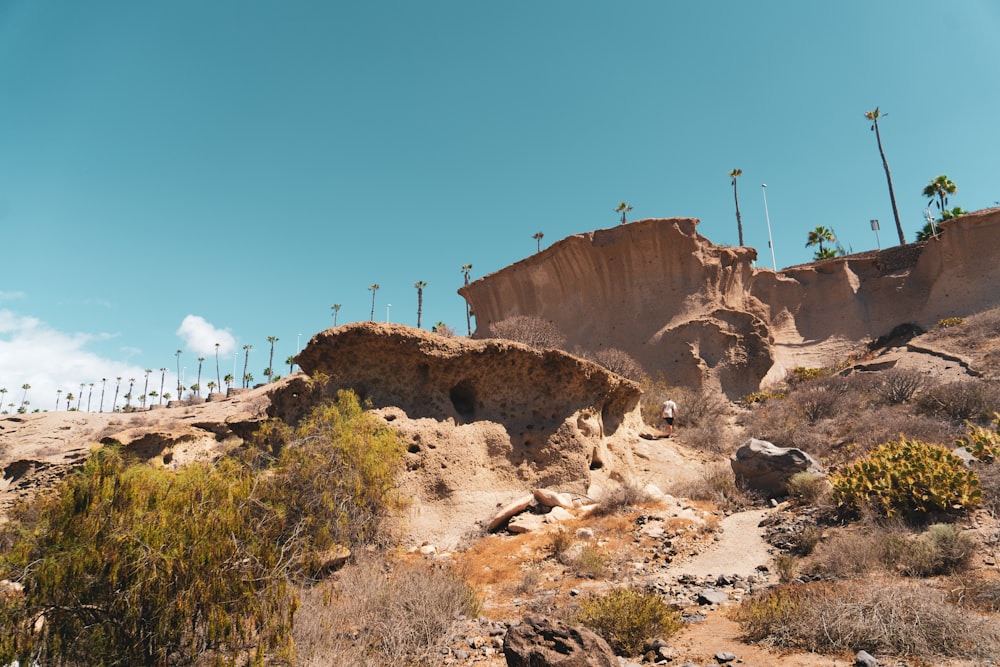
<point>668,413</point>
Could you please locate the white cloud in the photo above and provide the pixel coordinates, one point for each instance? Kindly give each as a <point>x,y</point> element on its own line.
<point>201,336</point>
<point>33,353</point>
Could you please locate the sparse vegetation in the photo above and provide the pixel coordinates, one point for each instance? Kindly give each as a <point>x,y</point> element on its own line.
<point>629,617</point>
<point>530,330</point>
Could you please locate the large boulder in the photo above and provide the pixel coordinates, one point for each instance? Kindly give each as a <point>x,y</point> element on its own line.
<point>763,466</point>
<point>543,642</point>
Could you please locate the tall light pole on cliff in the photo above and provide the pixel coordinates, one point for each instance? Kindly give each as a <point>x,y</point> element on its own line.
<point>770,241</point>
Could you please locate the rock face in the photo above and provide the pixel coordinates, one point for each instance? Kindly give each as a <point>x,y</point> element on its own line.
<point>542,642</point>
<point>702,313</point>
<point>766,467</point>
<point>484,421</point>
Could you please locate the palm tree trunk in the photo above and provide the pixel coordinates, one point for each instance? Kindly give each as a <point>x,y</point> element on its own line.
<point>739,220</point>
<point>888,177</point>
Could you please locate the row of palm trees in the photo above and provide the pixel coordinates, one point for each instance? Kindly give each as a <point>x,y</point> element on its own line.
<point>420,285</point>
<point>147,397</point>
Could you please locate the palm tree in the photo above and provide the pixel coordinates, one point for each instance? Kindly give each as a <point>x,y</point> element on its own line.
<point>270,362</point>
<point>623,208</point>
<point>374,288</point>
<point>211,386</point>
<point>218,378</point>
<point>118,383</point>
<point>197,384</point>
<point>420,285</point>
<point>145,389</point>
<point>538,236</point>
<point>69,400</point>
<point>104,381</point>
<point>817,237</point>
<point>163,377</point>
<point>873,116</point>
<point>228,380</point>
<point>128,396</point>
<point>79,397</point>
<point>178,353</point>
<point>90,395</point>
<point>24,398</point>
<point>247,379</point>
<point>734,174</point>
<point>940,187</point>
<point>291,364</point>
<point>3,395</point>
<point>336,309</point>
<point>466,268</point>
<point>58,398</point>
<point>246,362</point>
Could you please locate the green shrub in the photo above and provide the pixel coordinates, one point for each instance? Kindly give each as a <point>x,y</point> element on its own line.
<point>802,374</point>
<point>627,618</point>
<point>981,442</point>
<point>763,397</point>
<point>133,565</point>
<point>908,478</point>
<point>950,322</point>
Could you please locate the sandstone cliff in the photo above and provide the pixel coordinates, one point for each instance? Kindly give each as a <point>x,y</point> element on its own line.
<point>701,313</point>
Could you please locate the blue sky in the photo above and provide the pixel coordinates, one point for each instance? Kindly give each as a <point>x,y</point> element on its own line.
<point>176,174</point>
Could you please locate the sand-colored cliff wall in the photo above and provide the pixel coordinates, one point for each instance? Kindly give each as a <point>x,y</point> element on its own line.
<point>701,313</point>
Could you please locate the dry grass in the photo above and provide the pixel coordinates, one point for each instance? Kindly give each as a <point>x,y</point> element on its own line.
<point>378,614</point>
<point>885,617</point>
<point>717,485</point>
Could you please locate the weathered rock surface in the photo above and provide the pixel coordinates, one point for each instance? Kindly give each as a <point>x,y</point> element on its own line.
<point>766,467</point>
<point>703,314</point>
<point>544,642</point>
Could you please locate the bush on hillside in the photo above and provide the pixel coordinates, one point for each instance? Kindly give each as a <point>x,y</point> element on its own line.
<point>530,330</point>
<point>975,400</point>
<point>627,618</point>
<point>135,565</point>
<point>908,478</point>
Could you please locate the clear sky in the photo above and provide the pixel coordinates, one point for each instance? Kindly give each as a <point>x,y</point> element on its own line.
<point>184,173</point>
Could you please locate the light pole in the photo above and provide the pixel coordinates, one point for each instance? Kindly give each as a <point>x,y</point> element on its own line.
<point>770,242</point>
<point>298,344</point>
<point>387,307</point>
<point>875,229</point>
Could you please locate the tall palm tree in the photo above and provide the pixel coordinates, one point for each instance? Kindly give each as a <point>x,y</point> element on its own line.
<point>420,285</point>
<point>178,354</point>
<point>118,383</point>
<point>270,362</point>
<point>374,288</point>
<point>128,396</point>
<point>163,377</point>
<point>940,187</point>
<point>819,236</point>
<point>24,398</point>
<point>873,116</point>
<point>79,397</point>
<point>466,268</point>
<point>3,396</point>
<point>218,378</point>
<point>336,309</point>
<point>201,360</point>
<point>145,389</point>
<point>291,364</point>
<point>246,362</point>
<point>623,208</point>
<point>104,382</point>
<point>58,398</point>
<point>734,174</point>
<point>90,395</point>
<point>69,400</point>
<point>538,236</point>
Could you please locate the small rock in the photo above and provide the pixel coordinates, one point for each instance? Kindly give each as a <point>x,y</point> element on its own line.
<point>865,659</point>
<point>725,656</point>
<point>712,596</point>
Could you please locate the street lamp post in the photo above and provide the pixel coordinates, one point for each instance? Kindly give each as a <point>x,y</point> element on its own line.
<point>875,229</point>
<point>770,242</point>
<point>387,307</point>
<point>298,344</point>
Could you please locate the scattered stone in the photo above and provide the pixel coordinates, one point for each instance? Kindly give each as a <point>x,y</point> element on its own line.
<point>712,596</point>
<point>725,656</point>
<point>551,498</point>
<point>507,511</point>
<point>766,467</point>
<point>543,642</point>
<point>865,659</point>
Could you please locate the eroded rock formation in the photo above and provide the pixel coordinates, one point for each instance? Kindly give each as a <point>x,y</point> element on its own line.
<point>703,314</point>
<point>484,421</point>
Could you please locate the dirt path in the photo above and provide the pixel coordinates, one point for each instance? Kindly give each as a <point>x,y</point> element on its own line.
<point>739,550</point>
